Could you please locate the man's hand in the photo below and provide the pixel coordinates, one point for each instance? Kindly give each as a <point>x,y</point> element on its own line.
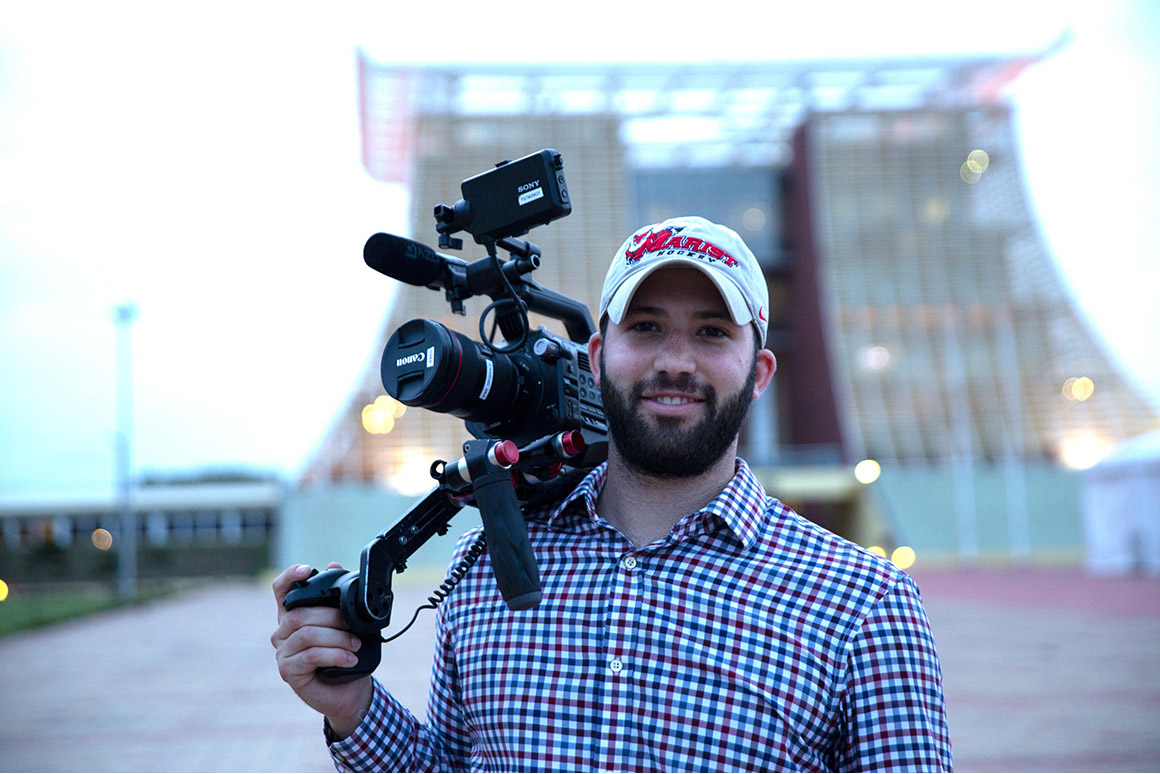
<point>311,637</point>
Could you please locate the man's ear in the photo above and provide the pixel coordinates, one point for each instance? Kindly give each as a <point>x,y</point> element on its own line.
<point>594,344</point>
<point>766,366</point>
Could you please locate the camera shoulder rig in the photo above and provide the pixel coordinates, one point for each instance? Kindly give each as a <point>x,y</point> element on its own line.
<point>535,390</point>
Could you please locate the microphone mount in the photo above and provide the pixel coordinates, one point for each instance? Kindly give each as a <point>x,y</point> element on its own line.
<point>464,280</point>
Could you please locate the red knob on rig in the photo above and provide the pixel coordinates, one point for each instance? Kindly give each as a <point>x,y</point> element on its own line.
<point>504,454</point>
<point>572,443</point>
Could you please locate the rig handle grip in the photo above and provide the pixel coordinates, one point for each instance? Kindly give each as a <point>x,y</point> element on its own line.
<point>338,588</point>
<point>512,560</point>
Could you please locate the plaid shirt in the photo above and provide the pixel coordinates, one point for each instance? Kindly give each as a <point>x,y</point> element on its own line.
<point>748,639</point>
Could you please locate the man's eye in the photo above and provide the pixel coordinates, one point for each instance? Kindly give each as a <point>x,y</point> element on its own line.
<point>715,333</point>
<point>644,325</point>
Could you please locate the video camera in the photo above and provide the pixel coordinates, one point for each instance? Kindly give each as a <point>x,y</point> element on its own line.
<point>529,400</point>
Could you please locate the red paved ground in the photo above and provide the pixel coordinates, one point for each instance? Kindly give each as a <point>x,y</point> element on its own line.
<point>1055,588</point>
<point>1045,669</point>
<point>1048,668</point>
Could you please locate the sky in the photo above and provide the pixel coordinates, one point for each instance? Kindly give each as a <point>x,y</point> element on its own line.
<point>202,161</point>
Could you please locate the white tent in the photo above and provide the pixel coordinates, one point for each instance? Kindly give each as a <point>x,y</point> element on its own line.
<point>1121,508</point>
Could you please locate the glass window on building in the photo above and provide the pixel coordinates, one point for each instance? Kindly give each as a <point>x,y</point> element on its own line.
<point>743,198</point>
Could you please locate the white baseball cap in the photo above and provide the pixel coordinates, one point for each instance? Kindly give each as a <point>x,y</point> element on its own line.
<point>716,250</point>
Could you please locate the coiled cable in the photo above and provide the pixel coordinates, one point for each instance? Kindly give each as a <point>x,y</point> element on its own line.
<point>456,574</point>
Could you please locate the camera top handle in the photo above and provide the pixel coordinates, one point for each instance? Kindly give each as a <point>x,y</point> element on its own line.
<point>480,278</point>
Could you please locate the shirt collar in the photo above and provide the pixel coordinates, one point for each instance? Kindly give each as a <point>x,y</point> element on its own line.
<point>580,504</point>
<point>741,505</point>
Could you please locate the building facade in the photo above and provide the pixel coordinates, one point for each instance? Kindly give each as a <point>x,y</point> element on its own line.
<point>917,318</point>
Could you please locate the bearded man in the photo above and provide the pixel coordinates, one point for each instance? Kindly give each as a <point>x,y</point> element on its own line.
<point>689,622</point>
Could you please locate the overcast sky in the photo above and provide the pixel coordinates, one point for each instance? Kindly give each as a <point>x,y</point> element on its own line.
<point>202,160</point>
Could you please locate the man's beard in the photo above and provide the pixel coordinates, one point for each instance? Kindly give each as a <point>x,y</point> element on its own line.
<point>666,450</point>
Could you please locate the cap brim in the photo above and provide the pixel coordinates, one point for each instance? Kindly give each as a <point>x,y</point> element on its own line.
<point>731,294</point>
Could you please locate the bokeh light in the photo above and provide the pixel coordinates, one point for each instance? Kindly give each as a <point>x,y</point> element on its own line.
<point>102,539</point>
<point>935,210</point>
<point>877,551</point>
<point>1078,388</point>
<point>875,358</point>
<point>390,405</point>
<point>1083,449</point>
<point>903,557</point>
<point>753,219</point>
<point>978,161</point>
<point>377,418</point>
<point>3,591</point>
<point>1083,388</point>
<point>867,471</point>
<point>412,474</point>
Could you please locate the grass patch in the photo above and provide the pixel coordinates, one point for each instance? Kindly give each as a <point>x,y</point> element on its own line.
<point>28,608</point>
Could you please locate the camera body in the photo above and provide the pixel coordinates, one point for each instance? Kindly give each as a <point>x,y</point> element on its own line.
<point>535,383</point>
<point>545,386</point>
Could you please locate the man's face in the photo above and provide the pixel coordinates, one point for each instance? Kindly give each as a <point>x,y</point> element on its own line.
<point>677,375</point>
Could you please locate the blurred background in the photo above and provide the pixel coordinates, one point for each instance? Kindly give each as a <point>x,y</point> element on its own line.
<point>955,209</point>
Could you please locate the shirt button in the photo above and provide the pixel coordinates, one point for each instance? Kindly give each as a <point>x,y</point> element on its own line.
<point>629,563</point>
<point>616,666</point>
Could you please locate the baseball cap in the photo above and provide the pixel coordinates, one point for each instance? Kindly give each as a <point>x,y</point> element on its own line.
<point>716,250</point>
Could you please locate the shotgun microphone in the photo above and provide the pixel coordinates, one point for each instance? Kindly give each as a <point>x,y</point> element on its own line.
<point>406,260</point>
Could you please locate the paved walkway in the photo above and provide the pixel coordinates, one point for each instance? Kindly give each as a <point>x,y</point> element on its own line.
<point>1046,670</point>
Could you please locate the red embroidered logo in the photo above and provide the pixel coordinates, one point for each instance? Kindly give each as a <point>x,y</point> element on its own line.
<point>670,239</point>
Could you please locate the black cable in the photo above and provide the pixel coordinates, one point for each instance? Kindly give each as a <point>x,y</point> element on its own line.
<point>513,347</point>
<point>513,298</point>
<point>450,582</point>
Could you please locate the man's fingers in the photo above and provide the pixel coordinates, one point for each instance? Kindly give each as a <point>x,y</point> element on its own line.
<point>308,637</point>
<point>307,648</point>
<point>289,621</point>
<point>302,664</point>
<point>283,582</point>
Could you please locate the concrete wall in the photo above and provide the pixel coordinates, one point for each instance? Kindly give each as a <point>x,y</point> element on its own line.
<point>919,506</point>
<point>914,506</point>
<point>335,523</point>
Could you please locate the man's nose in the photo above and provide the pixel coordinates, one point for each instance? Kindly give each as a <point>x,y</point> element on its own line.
<point>675,357</point>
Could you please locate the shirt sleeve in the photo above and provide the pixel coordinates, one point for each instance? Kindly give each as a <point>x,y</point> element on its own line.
<point>893,711</point>
<point>391,739</point>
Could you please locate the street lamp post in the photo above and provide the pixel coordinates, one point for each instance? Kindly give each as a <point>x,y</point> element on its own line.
<point>124,315</point>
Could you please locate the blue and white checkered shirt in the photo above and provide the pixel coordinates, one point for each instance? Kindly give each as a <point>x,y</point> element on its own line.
<point>748,639</point>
